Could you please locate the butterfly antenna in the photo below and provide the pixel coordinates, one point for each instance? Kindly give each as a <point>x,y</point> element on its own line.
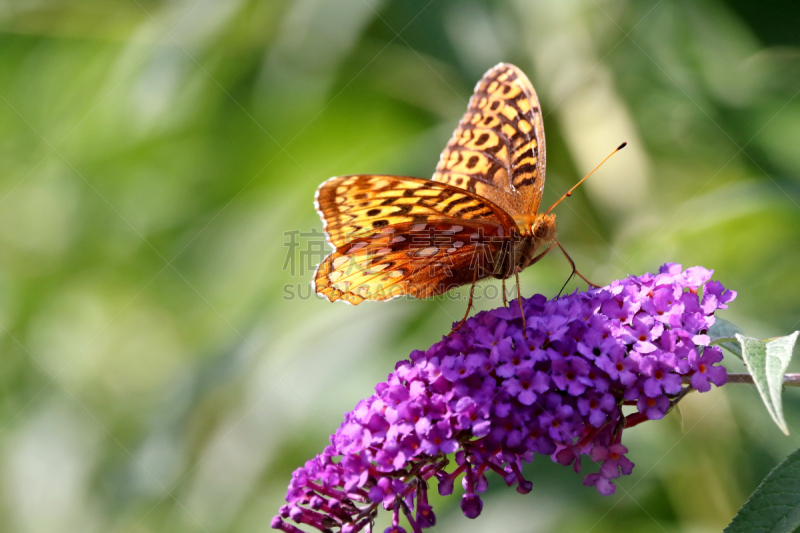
<point>569,192</point>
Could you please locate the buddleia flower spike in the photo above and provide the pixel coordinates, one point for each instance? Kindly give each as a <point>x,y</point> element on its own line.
<point>485,400</point>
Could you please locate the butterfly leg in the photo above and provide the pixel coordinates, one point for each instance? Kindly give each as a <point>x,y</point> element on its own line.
<point>469,305</point>
<point>519,300</point>
<point>505,300</point>
<point>519,293</point>
<point>574,269</point>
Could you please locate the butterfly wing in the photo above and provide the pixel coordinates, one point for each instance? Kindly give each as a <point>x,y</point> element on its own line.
<point>357,206</point>
<point>400,261</point>
<point>498,148</point>
<point>406,236</point>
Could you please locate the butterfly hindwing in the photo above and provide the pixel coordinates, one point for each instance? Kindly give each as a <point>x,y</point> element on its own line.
<point>498,148</point>
<point>420,260</point>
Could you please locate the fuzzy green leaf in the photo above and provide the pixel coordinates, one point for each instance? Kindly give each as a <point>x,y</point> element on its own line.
<point>723,333</point>
<point>774,507</point>
<point>767,362</point>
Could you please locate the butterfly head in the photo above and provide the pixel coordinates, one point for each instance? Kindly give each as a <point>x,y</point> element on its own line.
<point>535,233</point>
<point>544,228</point>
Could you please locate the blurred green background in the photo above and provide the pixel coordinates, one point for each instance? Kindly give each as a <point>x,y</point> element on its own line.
<point>163,365</point>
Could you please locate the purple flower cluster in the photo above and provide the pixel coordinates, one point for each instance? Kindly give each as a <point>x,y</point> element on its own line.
<point>491,395</point>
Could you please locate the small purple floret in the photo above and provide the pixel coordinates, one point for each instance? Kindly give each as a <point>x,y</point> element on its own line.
<point>491,396</point>
<point>471,505</point>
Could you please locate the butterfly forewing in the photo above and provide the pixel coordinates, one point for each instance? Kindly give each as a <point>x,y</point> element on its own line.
<point>361,205</point>
<point>498,148</point>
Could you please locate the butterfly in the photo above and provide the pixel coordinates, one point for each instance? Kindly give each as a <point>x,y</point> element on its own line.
<point>477,218</point>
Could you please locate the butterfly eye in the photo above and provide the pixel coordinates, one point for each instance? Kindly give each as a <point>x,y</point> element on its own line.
<point>545,227</point>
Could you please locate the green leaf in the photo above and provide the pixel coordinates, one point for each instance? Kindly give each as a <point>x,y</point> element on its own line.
<point>774,507</point>
<point>767,362</point>
<point>723,333</point>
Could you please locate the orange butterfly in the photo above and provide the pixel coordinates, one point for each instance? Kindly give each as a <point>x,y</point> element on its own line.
<point>477,218</point>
